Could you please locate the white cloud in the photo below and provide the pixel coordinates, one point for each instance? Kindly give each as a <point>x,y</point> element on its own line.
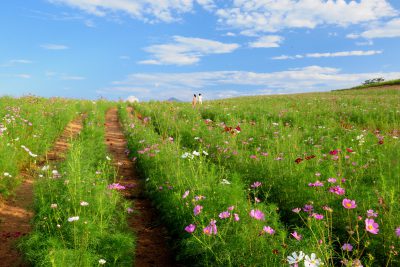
<point>259,16</point>
<point>213,84</point>
<point>124,57</point>
<point>13,62</point>
<point>54,46</point>
<point>389,29</point>
<point>23,76</point>
<point>145,10</point>
<point>267,41</point>
<point>185,51</point>
<point>72,78</point>
<point>335,54</point>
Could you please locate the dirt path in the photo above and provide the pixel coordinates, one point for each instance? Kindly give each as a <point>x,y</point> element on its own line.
<point>16,213</point>
<point>151,244</point>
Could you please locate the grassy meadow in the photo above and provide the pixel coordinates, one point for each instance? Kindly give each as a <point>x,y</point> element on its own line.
<point>286,180</point>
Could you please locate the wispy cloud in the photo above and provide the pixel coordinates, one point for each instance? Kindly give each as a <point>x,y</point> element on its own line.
<point>72,78</point>
<point>54,46</point>
<point>145,10</point>
<point>185,51</point>
<point>389,29</point>
<point>23,76</point>
<point>267,41</point>
<point>254,17</point>
<point>334,54</point>
<point>13,62</point>
<point>213,84</point>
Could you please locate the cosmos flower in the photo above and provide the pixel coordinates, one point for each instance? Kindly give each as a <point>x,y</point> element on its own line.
<point>312,261</point>
<point>185,194</point>
<point>349,204</point>
<point>337,190</point>
<point>197,209</point>
<point>397,231</point>
<point>257,214</point>
<point>371,213</point>
<point>190,228</point>
<point>268,230</point>
<point>237,218</point>
<point>371,226</point>
<point>102,261</point>
<point>296,235</point>
<point>294,258</point>
<point>72,219</point>
<point>256,184</point>
<point>347,247</point>
<point>84,203</point>
<point>224,215</point>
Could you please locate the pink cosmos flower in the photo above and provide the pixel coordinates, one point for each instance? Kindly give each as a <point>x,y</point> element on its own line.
<point>327,208</point>
<point>253,157</point>
<point>397,231</point>
<point>190,228</point>
<point>224,215</point>
<point>185,194</point>
<point>308,208</point>
<point>371,213</point>
<point>296,210</point>
<point>257,214</point>
<point>197,209</point>
<point>371,226</point>
<point>332,180</point>
<point>236,217</point>
<point>129,210</point>
<point>333,152</point>
<point>337,190</point>
<point>349,204</point>
<point>231,208</point>
<point>211,228</point>
<point>268,230</point>
<point>256,184</point>
<point>347,247</point>
<point>318,216</point>
<point>116,186</point>
<point>316,184</point>
<point>296,235</point>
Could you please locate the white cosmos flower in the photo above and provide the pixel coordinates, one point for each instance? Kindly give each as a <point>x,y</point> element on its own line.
<point>224,181</point>
<point>196,153</point>
<point>102,261</point>
<point>294,258</point>
<point>108,158</point>
<point>312,261</point>
<point>84,203</point>
<point>72,219</point>
<point>205,153</point>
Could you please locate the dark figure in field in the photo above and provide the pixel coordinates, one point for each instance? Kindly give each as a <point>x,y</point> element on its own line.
<point>194,101</point>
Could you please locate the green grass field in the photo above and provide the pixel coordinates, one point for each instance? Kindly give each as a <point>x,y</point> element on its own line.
<point>237,182</point>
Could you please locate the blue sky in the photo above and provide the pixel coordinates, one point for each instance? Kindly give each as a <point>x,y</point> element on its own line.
<point>157,49</point>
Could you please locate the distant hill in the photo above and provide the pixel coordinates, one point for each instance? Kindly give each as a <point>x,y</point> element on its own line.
<point>173,99</point>
<point>391,82</point>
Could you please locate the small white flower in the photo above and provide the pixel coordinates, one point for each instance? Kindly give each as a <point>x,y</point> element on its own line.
<point>72,219</point>
<point>205,153</point>
<point>102,261</point>
<point>196,153</point>
<point>53,206</point>
<point>32,155</point>
<point>312,261</point>
<point>59,226</point>
<point>294,258</point>
<point>84,203</point>
<point>196,138</point>
<point>108,158</point>
<point>224,181</point>
<point>45,168</point>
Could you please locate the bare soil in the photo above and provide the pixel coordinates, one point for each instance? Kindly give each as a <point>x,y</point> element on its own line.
<point>16,212</point>
<point>151,236</point>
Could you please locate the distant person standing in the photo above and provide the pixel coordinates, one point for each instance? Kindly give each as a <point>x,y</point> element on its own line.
<point>200,99</point>
<point>194,101</point>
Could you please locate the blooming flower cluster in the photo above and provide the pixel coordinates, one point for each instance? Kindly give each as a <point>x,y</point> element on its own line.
<point>309,261</point>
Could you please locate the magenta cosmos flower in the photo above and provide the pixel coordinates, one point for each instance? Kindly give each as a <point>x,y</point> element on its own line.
<point>337,190</point>
<point>371,226</point>
<point>256,184</point>
<point>268,230</point>
<point>211,228</point>
<point>397,231</point>
<point>190,228</point>
<point>197,210</point>
<point>349,204</point>
<point>371,213</point>
<point>224,215</point>
<point>236,217</point>
<point>186,194</point>
<point>347,247</point>
<point>116,186</point>
<point>296,235</point>
<point>257,214</point>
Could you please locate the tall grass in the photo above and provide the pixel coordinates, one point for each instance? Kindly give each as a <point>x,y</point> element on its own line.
<point>79,220</point>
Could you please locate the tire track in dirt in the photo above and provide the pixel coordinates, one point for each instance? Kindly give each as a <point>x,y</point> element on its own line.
<point>16,213</point>
<point>151,236</point>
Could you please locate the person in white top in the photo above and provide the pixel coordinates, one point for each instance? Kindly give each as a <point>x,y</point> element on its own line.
<point>200,99</point>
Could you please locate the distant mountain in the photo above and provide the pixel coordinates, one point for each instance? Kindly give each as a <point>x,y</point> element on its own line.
<point>173,99</point>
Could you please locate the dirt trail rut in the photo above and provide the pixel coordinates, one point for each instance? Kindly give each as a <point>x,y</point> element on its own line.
<point>151,244</point>
<point>16,213</point>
